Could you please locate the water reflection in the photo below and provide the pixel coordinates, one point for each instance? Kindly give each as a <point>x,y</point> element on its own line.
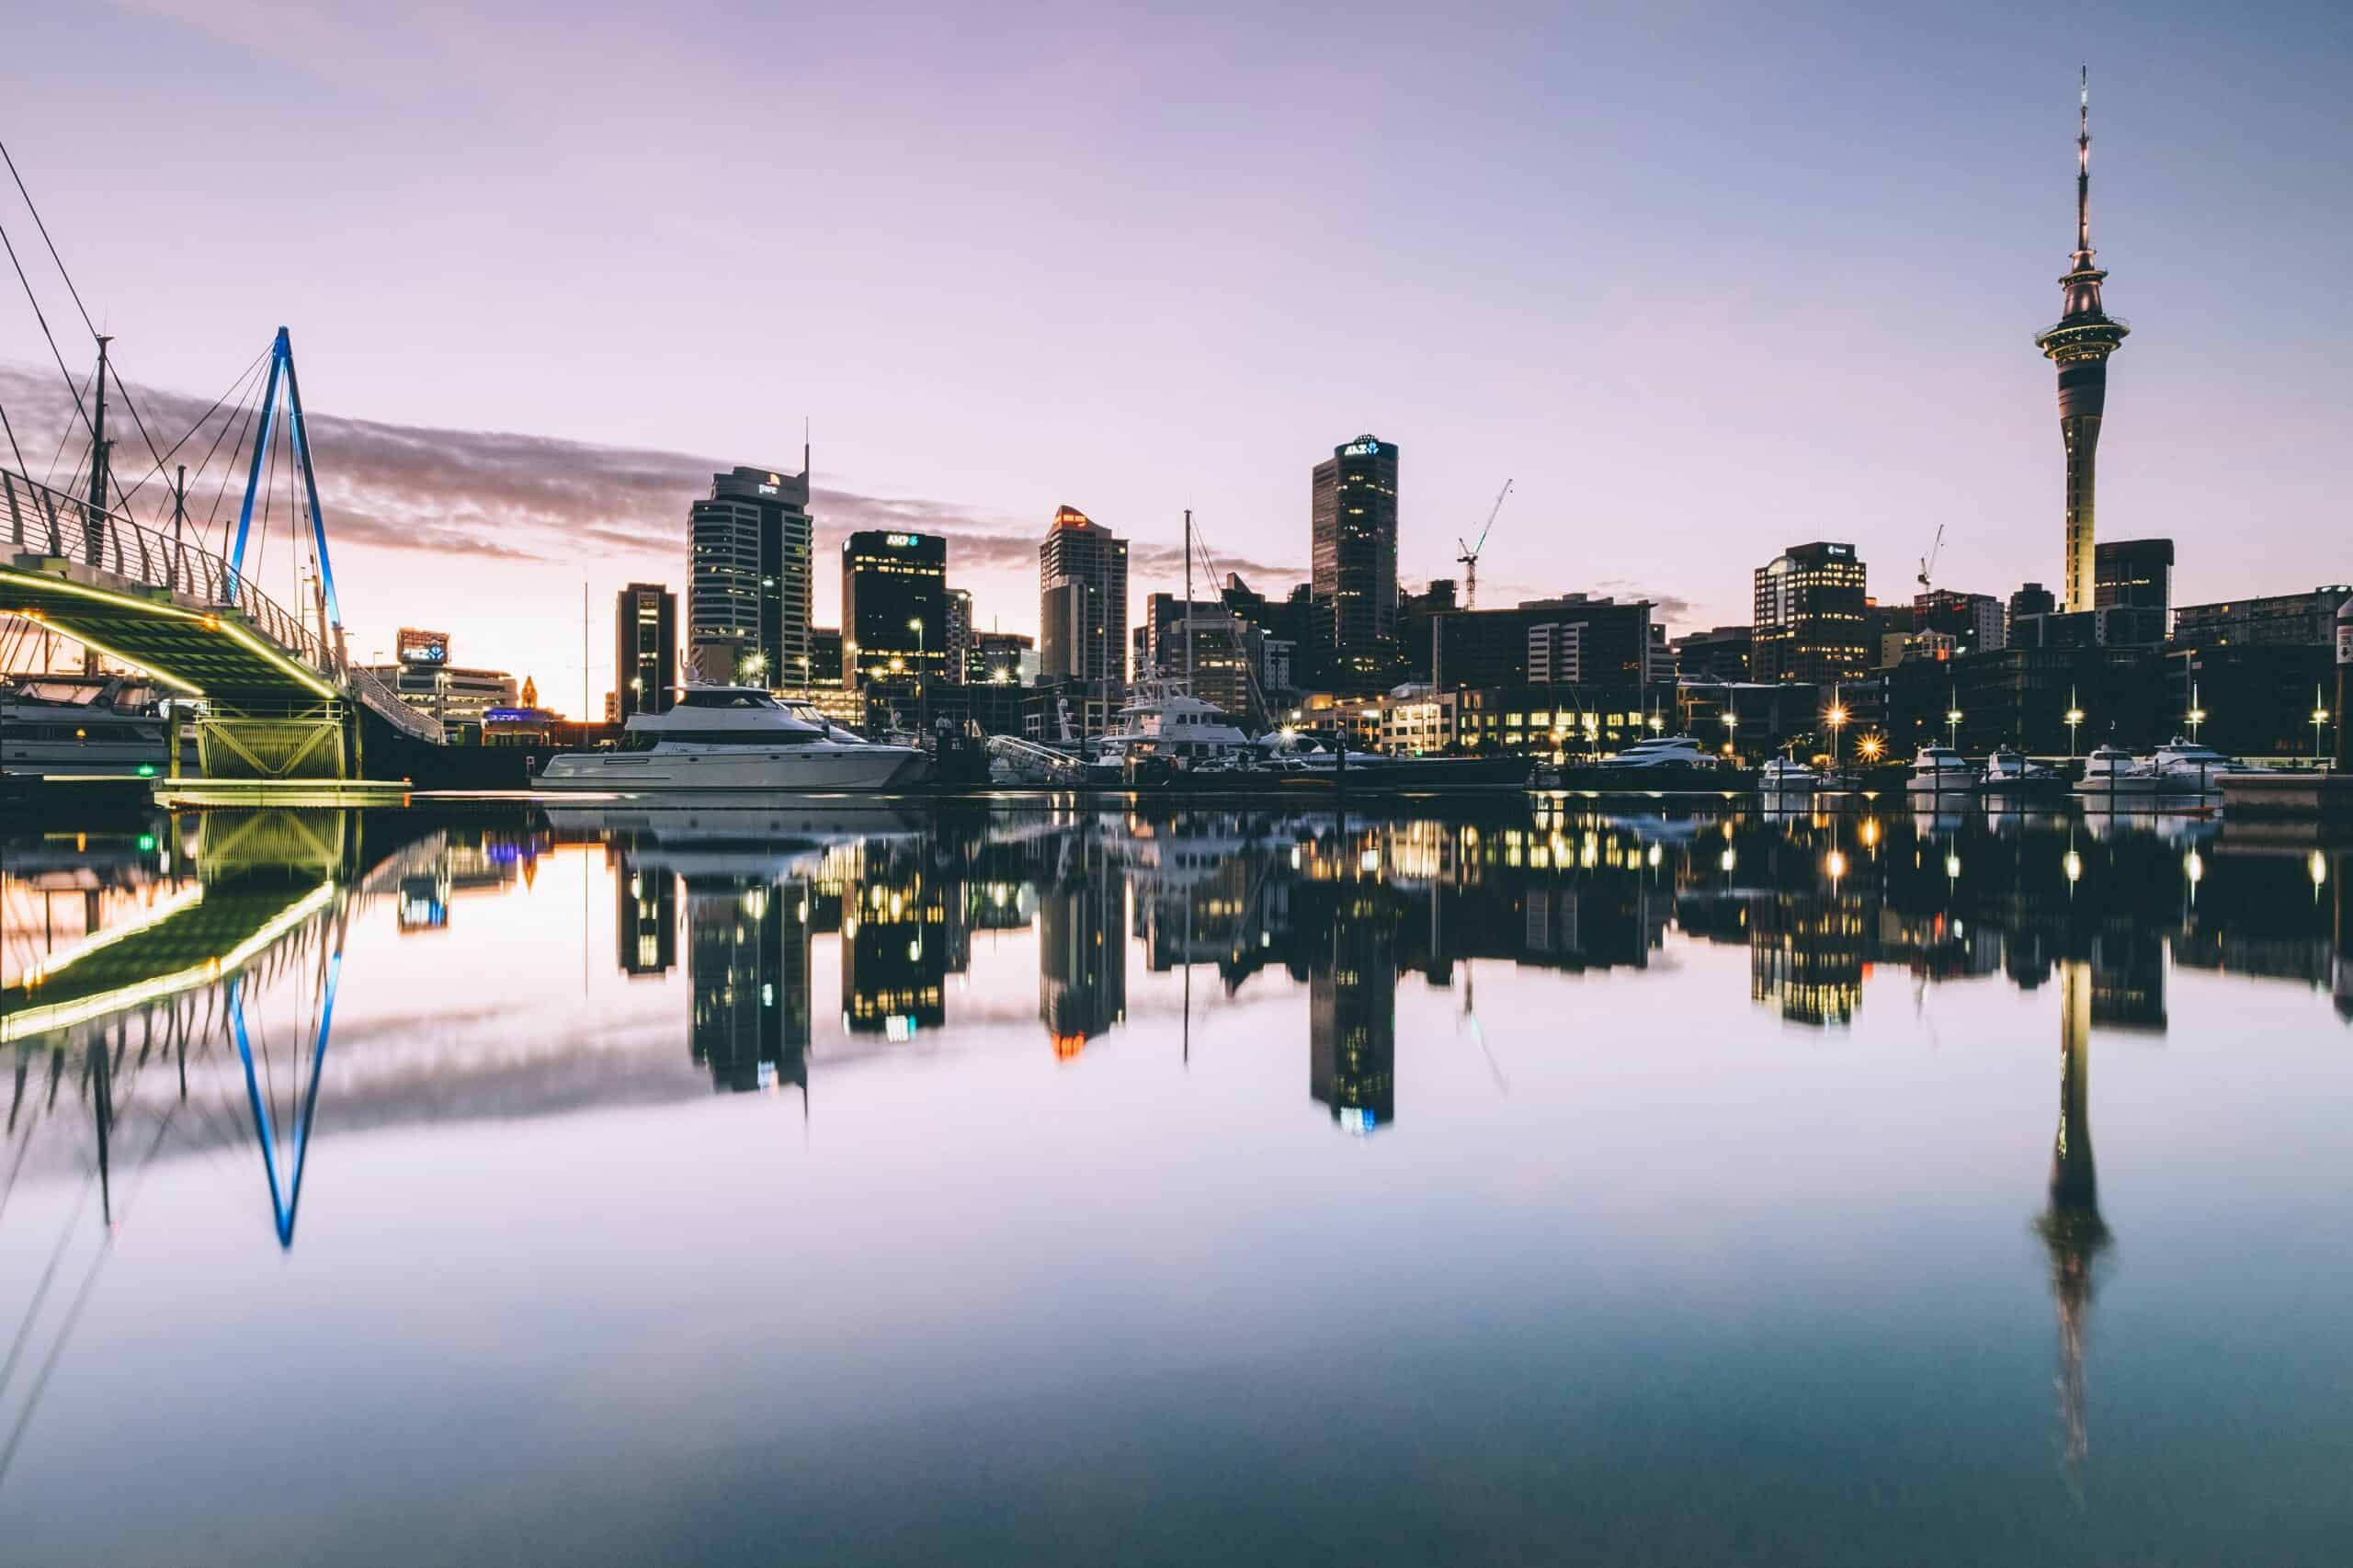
<point>172,989</point>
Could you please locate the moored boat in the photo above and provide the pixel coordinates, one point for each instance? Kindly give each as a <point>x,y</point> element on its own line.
<point>738,739</point>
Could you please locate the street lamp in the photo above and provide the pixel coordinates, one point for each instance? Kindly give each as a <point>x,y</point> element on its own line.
<point>2074,720</point>
<point>2196,715</point>
<point>1952,727</point>
<point>1837,717</point>
<point>2320,717</point>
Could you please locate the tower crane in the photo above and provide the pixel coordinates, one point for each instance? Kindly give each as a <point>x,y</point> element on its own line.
<point>1928,562</point>
<point>1470,556</point>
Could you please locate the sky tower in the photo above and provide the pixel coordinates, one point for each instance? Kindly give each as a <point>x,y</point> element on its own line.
<point>2079,345</point>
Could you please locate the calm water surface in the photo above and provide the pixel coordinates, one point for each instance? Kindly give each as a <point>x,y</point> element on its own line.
<point>1080,1187</point>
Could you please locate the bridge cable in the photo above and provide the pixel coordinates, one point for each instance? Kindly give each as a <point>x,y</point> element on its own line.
<point>193,430</point>
<point>228,471</point>
<point>79,406</point>
<point>59,262</point>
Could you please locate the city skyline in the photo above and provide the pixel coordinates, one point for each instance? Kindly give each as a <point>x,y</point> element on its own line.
<point>1964,180</point>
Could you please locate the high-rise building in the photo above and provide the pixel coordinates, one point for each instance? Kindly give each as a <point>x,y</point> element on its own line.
<point>1227,652</point>
<point>2079,344</point>
<point>1083,949</point>
<point>645,923</point>
<point>645,650</point>
<point>1352,1017</point>
<point>894,606</point>
<point>1081,601</point>
<point>2136,573</point>
<point>959,632</point>
<point>1354,568</point>
<point>747,957</point>
<point>1976,623</point>
<point>748,575</point>
<point>1810,622</point>
<point>2032,598</point>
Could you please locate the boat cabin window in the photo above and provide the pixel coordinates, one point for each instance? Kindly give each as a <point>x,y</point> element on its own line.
<point>705,697</point>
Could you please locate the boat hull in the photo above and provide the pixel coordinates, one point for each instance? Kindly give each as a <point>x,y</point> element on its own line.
<point>801,770</point>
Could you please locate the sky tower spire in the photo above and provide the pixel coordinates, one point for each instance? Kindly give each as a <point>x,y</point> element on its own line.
<point>2079,345</point>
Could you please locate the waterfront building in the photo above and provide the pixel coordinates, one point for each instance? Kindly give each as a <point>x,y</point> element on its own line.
<point>748,577</point>
<point>2309,618</point>
<point>1747,717</point>
<point>1083,602</point>
<point>424,677</point>
<point>1542,721</point>
<point>2079,345</point>
<point>1001,658</point>
<point>1227,654</point>
<point>1353,514</point>
<point>2031,598</point>
<point>1575,640</point>
<point>824,656</point>
<point>1721,653</point>
<point>2117,626</point>
<point>646,651</point>
<point>894,606</point>
<point>960,633</point>
<point>2250,698</point>
<point>1811,619</point>
<point>2137,573</point>
<point>1418,620</point>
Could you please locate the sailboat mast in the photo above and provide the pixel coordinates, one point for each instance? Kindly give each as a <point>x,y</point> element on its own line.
<point>1188,601</point>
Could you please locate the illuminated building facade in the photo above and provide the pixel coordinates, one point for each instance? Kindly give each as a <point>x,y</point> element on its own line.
<point>2079,345</point>
<point>2137,573</point>
<point>747,957</point>
<point>645,924</point>
<point>645,650</point>
<point>1352,1016</point>
<point>894,606</point>
<point>960,634</point>
<point>1083,602</point>
<point>748,575</point>
<point>1811,615</point>
<point>895,947</point>
<point>1353,576</point>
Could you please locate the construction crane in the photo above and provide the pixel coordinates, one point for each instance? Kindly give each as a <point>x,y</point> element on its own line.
<point>1928,562</point>
<point>1470,556</point>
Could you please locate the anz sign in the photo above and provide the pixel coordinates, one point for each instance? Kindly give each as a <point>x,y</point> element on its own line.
<point>903,541</point>
<point>1367,447</point>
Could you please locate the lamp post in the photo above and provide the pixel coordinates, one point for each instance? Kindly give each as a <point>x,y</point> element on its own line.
<point>1732,722</point>
<point>914,624</point>
<point>2196,715</point>
<point>2320,717</point>
<point>2074,720</point>
<point>1952,728</point>
<point>1837,717</point>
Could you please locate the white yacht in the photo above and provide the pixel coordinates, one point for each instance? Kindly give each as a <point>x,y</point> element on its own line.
<point>2190,767</point>
<point>76,725</point>
<point>2111,773</point>
<point>1941,770</point>
<point>2010,774</point>
<point>1164,721</point>
<point>733,738</point>
<point>809,712</point>
<point>1786,775</point>
<point>1662,751</point>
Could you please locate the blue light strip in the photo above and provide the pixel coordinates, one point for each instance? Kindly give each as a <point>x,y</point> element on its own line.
<point>281,358</point>
<point>283,1206</point>
<point>309,477</point>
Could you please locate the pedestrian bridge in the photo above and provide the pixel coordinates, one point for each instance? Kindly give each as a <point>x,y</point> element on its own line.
<point>277,700</point>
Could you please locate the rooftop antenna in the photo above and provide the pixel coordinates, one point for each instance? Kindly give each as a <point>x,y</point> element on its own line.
<point>2084,163</point>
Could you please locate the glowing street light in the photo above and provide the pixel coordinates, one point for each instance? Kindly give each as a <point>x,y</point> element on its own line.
<point>1870,747</point>
<point>1952,727</point>
<point>2074,720</point>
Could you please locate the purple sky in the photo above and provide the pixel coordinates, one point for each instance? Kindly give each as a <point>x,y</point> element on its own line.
<point>1704,281</point>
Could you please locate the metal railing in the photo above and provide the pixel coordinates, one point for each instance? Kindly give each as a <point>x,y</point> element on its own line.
<point>40,520</point>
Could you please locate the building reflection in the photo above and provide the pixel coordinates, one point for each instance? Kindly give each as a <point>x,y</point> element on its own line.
<point>645,917</point>
<point>897,941</point>
<point>1082,947</point>
<point>747,959</point>
<point>1352,1017</point>
<point>2071,1227</point>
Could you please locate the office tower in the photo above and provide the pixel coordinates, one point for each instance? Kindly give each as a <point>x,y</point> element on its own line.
<point>894,606</point>
<point>1353,574</point>
<point>959,632</point>
<point>1575,640</point>
<point>2079,345</point>
<point>1082,601</point>
<point>1975,623</point>
<point>2136,574</point>
<point>2032,598</point>
<point>1720,654</point>
<point>895,946</point>
<point>645,650</point>
<point>1811,615</point>
<point>748,575</point>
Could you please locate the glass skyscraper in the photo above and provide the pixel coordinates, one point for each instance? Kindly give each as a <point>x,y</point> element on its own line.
<point>747,588</point>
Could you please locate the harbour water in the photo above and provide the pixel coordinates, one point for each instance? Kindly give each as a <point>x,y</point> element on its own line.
<point>1080,1184</point>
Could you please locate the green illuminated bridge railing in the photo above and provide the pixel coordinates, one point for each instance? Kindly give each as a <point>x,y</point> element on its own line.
<point>138,572</point>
